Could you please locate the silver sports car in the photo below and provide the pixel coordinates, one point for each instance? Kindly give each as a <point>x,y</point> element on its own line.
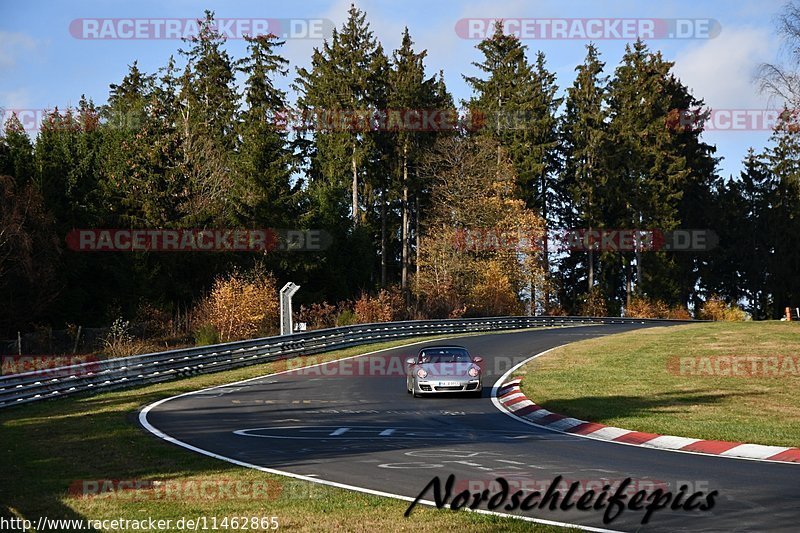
<point>438,369</point>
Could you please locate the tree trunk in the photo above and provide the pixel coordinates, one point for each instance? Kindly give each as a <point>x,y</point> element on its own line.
<point>639,267</point>
<point>416,237</point>
<point>383,236</point>
<point>628,284</point>
<point>591,264</point>
<point>545,254</point>
<point>638,271</point>
<point>405,228</point>
<point>355,187</point>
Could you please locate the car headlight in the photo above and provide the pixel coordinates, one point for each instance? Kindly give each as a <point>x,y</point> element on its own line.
<point>474,372</point>
<point>421,373</point>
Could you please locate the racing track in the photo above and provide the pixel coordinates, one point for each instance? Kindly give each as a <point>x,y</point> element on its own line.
<point>338,424</point>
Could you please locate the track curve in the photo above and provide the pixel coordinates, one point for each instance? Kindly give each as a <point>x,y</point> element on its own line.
<point>350,423</point>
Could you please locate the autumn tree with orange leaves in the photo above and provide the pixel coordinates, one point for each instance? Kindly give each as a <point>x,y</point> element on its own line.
<point>479,254</point>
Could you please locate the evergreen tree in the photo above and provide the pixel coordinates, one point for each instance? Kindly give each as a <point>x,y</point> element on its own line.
<point>29,247</point>
<point>650,167</point>
<point>585,148</point>
<point>340,96</point>
<point>208,106</point>
<point>752,227</point>
<point>346,85</point>
<point>783,259</point>
<point>126,183</point>
<point>264,191</point>
<point>16,152</point>
<point>411,91</point>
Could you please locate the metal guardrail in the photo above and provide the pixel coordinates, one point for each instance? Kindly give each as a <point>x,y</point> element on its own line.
<point>109,374</point>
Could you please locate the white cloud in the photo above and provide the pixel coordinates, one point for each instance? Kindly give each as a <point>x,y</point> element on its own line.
<point>721,70</point>
<point>14,46</point>
<point>16,99</point>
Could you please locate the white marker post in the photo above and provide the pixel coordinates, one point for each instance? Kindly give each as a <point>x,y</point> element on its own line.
<point>287,292</point>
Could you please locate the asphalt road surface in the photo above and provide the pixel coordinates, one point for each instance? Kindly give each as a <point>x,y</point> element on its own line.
<point>353,423</point>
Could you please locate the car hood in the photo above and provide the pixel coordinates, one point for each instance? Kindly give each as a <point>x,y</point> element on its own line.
<point>447,369</point>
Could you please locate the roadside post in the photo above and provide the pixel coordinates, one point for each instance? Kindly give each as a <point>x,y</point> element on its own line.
<point>287,292</point>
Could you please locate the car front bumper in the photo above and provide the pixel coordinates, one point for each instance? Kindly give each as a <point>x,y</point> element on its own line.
<point>443,386</point>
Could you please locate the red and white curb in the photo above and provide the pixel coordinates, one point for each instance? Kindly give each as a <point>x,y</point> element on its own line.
<point>517,404</point>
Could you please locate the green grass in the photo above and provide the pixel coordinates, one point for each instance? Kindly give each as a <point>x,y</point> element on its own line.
<point>45,447</point>
<point>626,380</point>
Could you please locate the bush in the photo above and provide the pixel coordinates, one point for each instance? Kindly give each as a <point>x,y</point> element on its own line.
<point>555,310</point>
<point>119,341</point>
<point>206,335</point>
<point>156,323</point>
<point>679,313</point>
<point>387,306</point>
<point>594,303</point>
<point>458,312</point>
<point>642,307</point>
<point>318,316</point>
<point>645,308</point>
<point>240,306</point>
<point>715,308</point>
<point>346,317</point>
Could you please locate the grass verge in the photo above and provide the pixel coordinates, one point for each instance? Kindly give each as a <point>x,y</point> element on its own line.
<point>634,381</point>
<point>47,447</point>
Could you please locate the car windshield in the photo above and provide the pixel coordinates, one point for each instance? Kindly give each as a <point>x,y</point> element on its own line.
<point>445,355</point>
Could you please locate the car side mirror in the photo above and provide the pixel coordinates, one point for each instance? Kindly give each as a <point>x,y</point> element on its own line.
<point>477,360</point>
<point>411,361</point>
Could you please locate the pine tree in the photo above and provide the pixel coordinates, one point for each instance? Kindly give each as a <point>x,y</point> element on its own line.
<point>783,262</point>
<point>264,193</point>
<point>650,167</point>
<point>585,148</point>
<point>346,85</point>
<point>145,181</point>
<point>742,267</point>
<point>16,152</point>
<point>411,91</point>
<point>208,106</point>
<point>695,208</point>
<point>752,227</point>
<point>346,161</point>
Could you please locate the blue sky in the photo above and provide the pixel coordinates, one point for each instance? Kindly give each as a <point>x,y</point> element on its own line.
<point>42,65</point>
